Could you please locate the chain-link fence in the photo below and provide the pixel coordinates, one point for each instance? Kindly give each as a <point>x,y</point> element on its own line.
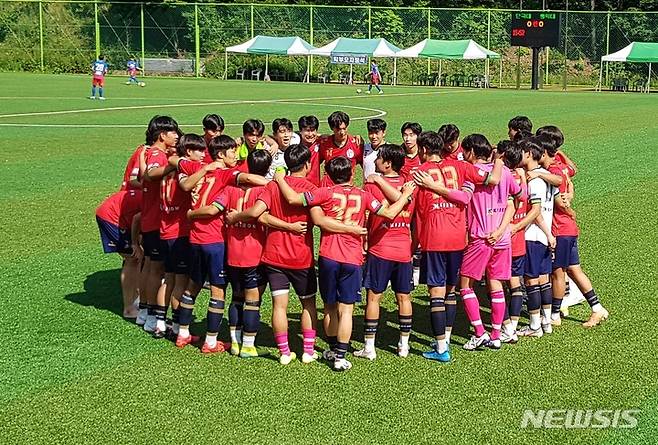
<point>65,36</point>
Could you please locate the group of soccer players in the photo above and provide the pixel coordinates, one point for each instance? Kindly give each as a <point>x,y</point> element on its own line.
<point>220,211</point>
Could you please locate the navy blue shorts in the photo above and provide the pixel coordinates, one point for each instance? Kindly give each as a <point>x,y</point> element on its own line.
<point>339,282</point>
<point>303,281</point>
<point>242,278</point>
<point>537,259</point>
<point>378,272</point>
<point>177,255</point>
<point>518,266</point>
<point>440,269</point>
<point>114,239</point>
<point>208,263</point>
<point>152,246</point>
<point>566,252</point>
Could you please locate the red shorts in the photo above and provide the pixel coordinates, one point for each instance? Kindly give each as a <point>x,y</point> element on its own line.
<point>98,81</point>
<point>375,79</point>
<point>480,256</point>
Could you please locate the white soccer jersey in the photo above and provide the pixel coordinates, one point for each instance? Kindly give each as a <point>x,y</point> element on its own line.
<point>538,189</point>
<point>369,157</point>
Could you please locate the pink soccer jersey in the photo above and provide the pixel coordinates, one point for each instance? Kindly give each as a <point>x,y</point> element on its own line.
<point>488,204</point>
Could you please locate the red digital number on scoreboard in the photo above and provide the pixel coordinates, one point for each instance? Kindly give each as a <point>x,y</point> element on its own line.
<point>518,33</point>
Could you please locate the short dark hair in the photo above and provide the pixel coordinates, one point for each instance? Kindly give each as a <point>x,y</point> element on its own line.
<point>253,126</point>
<point>159,125</point>
<point>479,145</point>
<point>532,145</point>
<point>547,143</point>
<point>296,156</point>
<point>281,122</point>
<point>190,141</point>
<point>413,126</point>
<point>512,154</point>
<point>430,142</point>
<point>259,162</point>
<point>220,144</point>
<point>311,122</point>
<point>339,170</point>
<point>522,134</point>
<point>503,145</point>
<point>554,133</point>
<point>520,123</point>
<point>394,154</point>
<point>213,122</point>
<point>449,133</point>
<point>376,125</point>
<point>337,118</point>
<point>101,57</point>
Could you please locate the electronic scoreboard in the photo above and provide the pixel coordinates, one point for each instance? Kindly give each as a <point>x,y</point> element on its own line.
<point>535,29</point>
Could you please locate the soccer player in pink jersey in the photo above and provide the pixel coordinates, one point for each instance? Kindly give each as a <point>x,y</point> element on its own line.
<point>489,248</point>
<point>341,254</point>
<point>161,138</point>
<point>389,254</point>
<point>441,208</point>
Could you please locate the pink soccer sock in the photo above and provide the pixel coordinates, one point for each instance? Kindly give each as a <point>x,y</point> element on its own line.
<point>497,312</point>
<point>281,340</point>
<point>472,308</point>
<point>309,340</point>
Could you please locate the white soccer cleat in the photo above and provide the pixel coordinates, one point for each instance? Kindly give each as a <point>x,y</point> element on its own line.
<point>546,326</point>
<point>596,318</point>
<point>309,358</point>
<point>92,97</point>
<point>328,355</point>
<point>370,354</point>
<point>286,359</point>
<point>101,98</point>
<point>527,331</point>
<point>342,364</point>
<point>476,342</point>
<point>505,337</point>
<point>403,351</point>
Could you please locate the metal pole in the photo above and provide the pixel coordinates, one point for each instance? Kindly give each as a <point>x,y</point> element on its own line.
<point>252,21</point>
<point>548,52</point>
<point>309,62</point>
<point>649,80</point>
<point>41,32</point>
<point>369,22</point>
<point>97,30</point>
<point>141,16</point>
<point>486,63</point>
<point>197,42</point>
<point>429,36</point>
<point>226,65</point>
<point>607,45</point>
<point>566,34</point>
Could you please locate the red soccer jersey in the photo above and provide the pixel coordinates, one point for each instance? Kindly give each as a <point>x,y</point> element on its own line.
<point>120,208</point>
<point>132,170</point>
<point>282,248</point>
<point>151,192</point>
<point>570,172</point>
<point>442,224</point>
<point>210,230</point>
<point>348,204</point>
<point>457,155</point>
<point>390,240</point>
<point>518,239</point>
<point>564,223</point>
<point>175,202</point>
<point>314,174</point>
<point>244,240</point>
<point>410,164</point>
<point>328,150</point>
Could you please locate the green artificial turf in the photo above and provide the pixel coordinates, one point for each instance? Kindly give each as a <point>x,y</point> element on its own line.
<point>73,371</point>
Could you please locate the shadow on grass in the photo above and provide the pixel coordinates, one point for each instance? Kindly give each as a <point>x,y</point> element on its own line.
<point>102,291</point>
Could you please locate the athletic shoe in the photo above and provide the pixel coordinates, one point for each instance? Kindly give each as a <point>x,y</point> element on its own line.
<point>286,359</point>
<point>328,355</point>
<point>128,83</point>
<point>565,311</point>
<point>141,317</point>
<point>403,351</point>
<point>508,338</point>
<point>101,98</point>
<point>342,364</point>
<point>596,318</point>
<point>247,351</point>
<point>547,327</point>
<point>527,331</point>
<point>366,353</point>
<point>556,321</point>
<point>309,358</point>
<point>367,91</point>
<point>493,344</point>
<point>160,334</point>
<point>92,97</point>
<point>433,354</point>
<point>181,342</point>
<point>151,323</point>
<point>220,346</point>
<point>476,342</point>
<point>235,348</point>
<point>381,92</point>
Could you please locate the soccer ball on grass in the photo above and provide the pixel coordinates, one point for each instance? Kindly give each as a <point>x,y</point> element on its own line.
<point>359,91</point>
<point>142,84</point>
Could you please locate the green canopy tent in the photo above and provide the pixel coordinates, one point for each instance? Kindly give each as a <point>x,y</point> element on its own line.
<point>344,46</point>
<point>449,50</point>
<point>638,52</point>
<point>266,45</point>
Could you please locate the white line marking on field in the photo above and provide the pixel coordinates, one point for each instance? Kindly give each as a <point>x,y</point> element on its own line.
<point>226,102</point>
